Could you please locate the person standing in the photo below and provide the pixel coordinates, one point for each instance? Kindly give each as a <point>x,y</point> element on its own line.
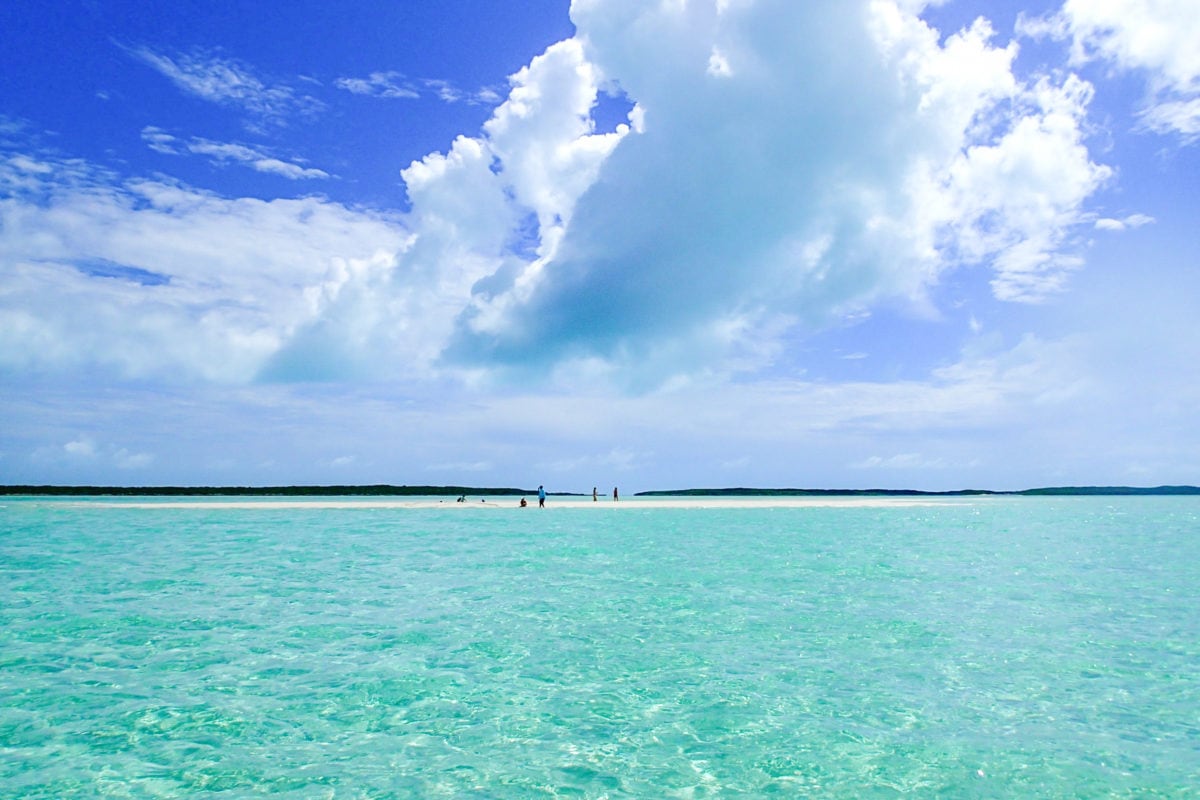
<point>541,497</point>
<point>595,497</point>
<point>615,494</point>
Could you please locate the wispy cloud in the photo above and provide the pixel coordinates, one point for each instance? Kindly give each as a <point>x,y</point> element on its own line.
<point>447,92</point>
<point>222,153</point>
<point>1125,223</point>
<point>396,85</point>
<point>231,83</point>
<point>380,84</point>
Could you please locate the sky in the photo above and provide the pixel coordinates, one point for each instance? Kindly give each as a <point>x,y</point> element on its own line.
<point>651,244</point>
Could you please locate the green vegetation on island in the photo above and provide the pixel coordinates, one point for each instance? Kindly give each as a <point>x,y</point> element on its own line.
<point>374,490</point>
<point>1051,490</point>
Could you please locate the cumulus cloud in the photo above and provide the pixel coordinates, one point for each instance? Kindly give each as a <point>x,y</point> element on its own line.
<point>795,164</point>
<point>162,142</point>
<point>80,448</point>
<point>231,83</point>
<point>486,215</point>
<point>1155,38</point>
<point>784,167</point>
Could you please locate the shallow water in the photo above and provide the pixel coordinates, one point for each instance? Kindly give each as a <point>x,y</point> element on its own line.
<point>992,647</point>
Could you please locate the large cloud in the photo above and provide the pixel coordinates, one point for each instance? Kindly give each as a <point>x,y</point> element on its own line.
<point>786,165</point>
<point>798,162</point>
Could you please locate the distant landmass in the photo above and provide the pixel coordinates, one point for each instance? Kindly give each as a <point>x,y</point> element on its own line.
<point>266,491</point>
<point>1050,490</point>
<point>426,491</point>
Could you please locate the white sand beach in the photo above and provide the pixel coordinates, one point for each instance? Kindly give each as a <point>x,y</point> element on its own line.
<point>511,502</point>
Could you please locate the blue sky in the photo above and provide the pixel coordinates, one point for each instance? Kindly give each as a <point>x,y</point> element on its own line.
<point>880,243</point>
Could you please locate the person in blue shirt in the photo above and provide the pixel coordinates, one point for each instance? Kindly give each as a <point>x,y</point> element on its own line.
<point>541,497</point>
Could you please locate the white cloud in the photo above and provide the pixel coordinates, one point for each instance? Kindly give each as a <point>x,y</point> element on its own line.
<point>857,155</point>
<point>718,64</point>
<point>447,92</point>
<point>485,214</point>
<point>228,82</point>
<point>1181,116</point>
<point>148,278</point>
<point>160,141</point>
<point>80,448</point>
<point>1131,221</point>
<point>1157,38</point>
<point>380,84</point>
<point>22,163</point>
<point>86,453</point>
<point>163,142</point>
<point>256,159</point>
<point>837,164</point>
<point>396,85</point>
<point>1006,189</point>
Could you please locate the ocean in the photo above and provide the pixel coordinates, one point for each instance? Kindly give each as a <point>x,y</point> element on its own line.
<point>992,647</point>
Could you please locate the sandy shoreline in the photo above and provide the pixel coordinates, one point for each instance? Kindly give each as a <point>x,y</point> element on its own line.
<point>551,503</point>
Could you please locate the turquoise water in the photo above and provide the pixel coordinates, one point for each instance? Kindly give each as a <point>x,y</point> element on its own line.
<point>1015,647</point>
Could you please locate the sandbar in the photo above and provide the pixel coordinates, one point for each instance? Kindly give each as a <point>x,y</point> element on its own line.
<point>511,502</point>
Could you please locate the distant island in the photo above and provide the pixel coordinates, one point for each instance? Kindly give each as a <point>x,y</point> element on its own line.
<point>1050,490</point>
<point>373,490</point>
<point>388,490</point>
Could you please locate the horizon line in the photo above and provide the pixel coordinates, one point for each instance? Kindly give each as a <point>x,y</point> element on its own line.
<point>378,489</point>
